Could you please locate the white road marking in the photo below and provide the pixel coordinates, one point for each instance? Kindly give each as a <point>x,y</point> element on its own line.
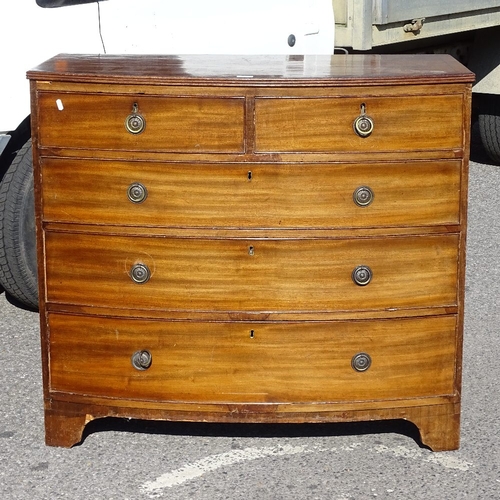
<point>447,460</point>
<point>211,463</point>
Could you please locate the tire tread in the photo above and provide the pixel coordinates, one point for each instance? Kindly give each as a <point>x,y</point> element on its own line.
<point>15,275</point>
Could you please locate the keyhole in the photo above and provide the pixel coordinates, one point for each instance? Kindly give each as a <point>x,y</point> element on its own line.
<point>249,175</point>
<point>251,250</point>
<point>251,334</point>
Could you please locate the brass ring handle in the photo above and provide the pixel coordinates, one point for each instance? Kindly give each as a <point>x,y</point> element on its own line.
<point>361,362</point>
<point>137,192</point>
<point>363,125</point>
<point>362,275</point>
<point>363,196</point>
<point>135,122</point>
<point>141,360</point>
<point>140,273</point>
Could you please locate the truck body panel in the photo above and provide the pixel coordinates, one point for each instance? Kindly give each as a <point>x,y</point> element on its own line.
<point>368,24</point>
<point>391,11</point>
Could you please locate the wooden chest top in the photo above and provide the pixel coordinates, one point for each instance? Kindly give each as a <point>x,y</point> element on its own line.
<point>337,70</point>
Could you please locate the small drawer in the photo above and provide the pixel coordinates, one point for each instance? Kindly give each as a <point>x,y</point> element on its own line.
<point>407,124</point>
<point>251,195</point>
<point>252,363</point>
<point>205,274</point>
<point>141,123</point>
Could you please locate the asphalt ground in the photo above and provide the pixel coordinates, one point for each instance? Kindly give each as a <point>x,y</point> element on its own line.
<point>122,459</point>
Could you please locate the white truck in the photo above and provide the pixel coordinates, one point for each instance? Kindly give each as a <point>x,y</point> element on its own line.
<point>34,30</point>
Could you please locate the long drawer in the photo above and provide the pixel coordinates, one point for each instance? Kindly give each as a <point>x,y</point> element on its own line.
<point>250,274</point>
<point>251,195</point>
<point>93,121</point>
<point>405,123</point>
<point>247,362</point>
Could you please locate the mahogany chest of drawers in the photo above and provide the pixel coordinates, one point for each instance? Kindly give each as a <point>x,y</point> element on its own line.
<point>251,239</point>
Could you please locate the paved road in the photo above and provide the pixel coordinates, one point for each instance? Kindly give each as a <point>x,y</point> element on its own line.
<point>122,459</point>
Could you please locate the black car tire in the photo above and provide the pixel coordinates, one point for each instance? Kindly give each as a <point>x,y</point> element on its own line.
<point>489,127</point>
<point>18,264</point>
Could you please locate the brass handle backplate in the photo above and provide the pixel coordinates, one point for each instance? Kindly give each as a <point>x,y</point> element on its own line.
<point>135,122</point>
<point>140,273</point>
<point>141,360</point>
<point>361,362</point>
<point>363,196</point>
<point>363,125</point>
<point>137,192</point>
<point>362,275</point>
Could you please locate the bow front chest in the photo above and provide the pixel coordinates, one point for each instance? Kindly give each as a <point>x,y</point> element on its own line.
<point>251,239</point>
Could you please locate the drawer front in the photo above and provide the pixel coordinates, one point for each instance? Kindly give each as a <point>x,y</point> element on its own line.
<point>251,275</point>
<point>90,121</point>
<point>252,363</point>
<point>404,123</point>
<point>251,195</point>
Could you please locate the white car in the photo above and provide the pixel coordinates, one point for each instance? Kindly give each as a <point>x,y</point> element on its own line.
<point>34,30</point>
